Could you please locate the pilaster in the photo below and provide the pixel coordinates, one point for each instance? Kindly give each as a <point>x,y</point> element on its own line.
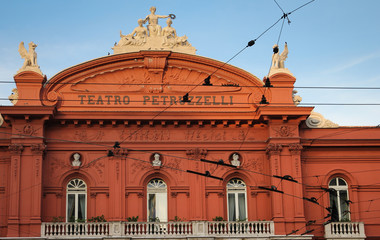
<point>14,194</point>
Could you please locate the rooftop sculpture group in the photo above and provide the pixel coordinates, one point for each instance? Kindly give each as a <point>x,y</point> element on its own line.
<point>153,37</point>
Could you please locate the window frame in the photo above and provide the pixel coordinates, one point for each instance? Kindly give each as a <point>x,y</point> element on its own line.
<point>160,191</point>
<point>236,190</point>
<point>339,188</point>
<point>76,187</point>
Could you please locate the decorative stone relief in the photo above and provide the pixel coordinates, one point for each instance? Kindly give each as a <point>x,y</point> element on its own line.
<point>38,148</point>
<point>151,135</point>
<point>30,58</point>
<point>153,37</point>
<point>16,149</point>
<point>14,96</point>
<point>1,120</point>
<point>284,131</point>
<point>84,136</point>
<point>295,148</point>
<point>316,120</point>
<point>28,129</point>
<point>99,166</point>
<point>156,160</point>
<point>56,166</point>
<point>196,153</point>
<point>76,162</point>
<point>273,149</point>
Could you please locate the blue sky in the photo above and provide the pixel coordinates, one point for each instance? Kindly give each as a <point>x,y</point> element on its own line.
<point>331,42</point>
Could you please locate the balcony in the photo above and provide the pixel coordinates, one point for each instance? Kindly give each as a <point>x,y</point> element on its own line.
<point>345,230</point>
<point>178,230</point>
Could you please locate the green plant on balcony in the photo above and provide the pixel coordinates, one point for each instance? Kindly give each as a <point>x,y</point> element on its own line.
<point>132,219</point>
<point>97,219</point>
<point>57,219</point>
<point>218,219</point>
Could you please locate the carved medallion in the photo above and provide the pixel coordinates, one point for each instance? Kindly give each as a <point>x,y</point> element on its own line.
<point>284,131</point>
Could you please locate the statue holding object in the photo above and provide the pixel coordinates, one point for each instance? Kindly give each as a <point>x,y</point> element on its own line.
<point>153,37</point>
<point>279,59</point>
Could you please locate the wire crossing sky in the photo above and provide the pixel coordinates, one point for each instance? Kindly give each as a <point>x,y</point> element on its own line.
<point>331,43</point>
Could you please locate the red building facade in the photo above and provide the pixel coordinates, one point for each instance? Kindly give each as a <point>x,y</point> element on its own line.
<point>113,137</point>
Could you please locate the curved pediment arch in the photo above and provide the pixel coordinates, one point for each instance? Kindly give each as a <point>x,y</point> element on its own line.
<point>148,80</point>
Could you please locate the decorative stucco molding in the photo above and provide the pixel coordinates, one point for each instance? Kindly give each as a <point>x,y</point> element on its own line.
<point>316,120</point>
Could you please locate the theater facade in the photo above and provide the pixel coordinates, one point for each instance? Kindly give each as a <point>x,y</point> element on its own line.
<point>157,142</point>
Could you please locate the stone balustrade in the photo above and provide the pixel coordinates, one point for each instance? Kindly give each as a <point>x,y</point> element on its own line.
<point>345,230</point>
<point>198,229</point>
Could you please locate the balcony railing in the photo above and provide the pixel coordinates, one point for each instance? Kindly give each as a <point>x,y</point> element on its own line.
<point>157,229</point>
<point>345,230</point>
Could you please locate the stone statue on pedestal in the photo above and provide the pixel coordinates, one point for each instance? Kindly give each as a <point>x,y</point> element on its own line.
<point>30,58</point>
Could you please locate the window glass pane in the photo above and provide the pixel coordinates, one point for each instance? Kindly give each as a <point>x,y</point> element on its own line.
<point>152,207</point>
<point>81,206</point>
<point>332,182</point>
<point>342,182</point>
<point>345,215</point>
<point>334,208</point>
<point>161,207</point>
<point>231,207</point>
<point>70,208</point>
<point>242,210</point>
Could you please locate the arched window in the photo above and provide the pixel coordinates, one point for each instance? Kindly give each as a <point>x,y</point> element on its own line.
<point>157,206</point>
<point>76,200</point>
<point>236,200</point>
<point>339,200</point>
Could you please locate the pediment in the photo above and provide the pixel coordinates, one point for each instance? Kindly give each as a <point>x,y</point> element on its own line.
<point>151,79</point>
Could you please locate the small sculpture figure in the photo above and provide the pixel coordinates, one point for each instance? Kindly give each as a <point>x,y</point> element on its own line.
<point>137,37</point>
<point>170,36</point>
<point>153,27</point>
<point>156,162</point>
<point>279,59</point>
<point>235,160</point>
<point>76,162</point>
<point>296,98</point>
<point>14,96</point>
<point>30,57</point>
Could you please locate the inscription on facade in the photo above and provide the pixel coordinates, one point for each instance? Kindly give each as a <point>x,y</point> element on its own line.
<point>155,100</point>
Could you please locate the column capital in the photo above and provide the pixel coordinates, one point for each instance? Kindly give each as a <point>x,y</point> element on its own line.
<point>16,149</point>
<point>273,149</point>
<point>295,148</point>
